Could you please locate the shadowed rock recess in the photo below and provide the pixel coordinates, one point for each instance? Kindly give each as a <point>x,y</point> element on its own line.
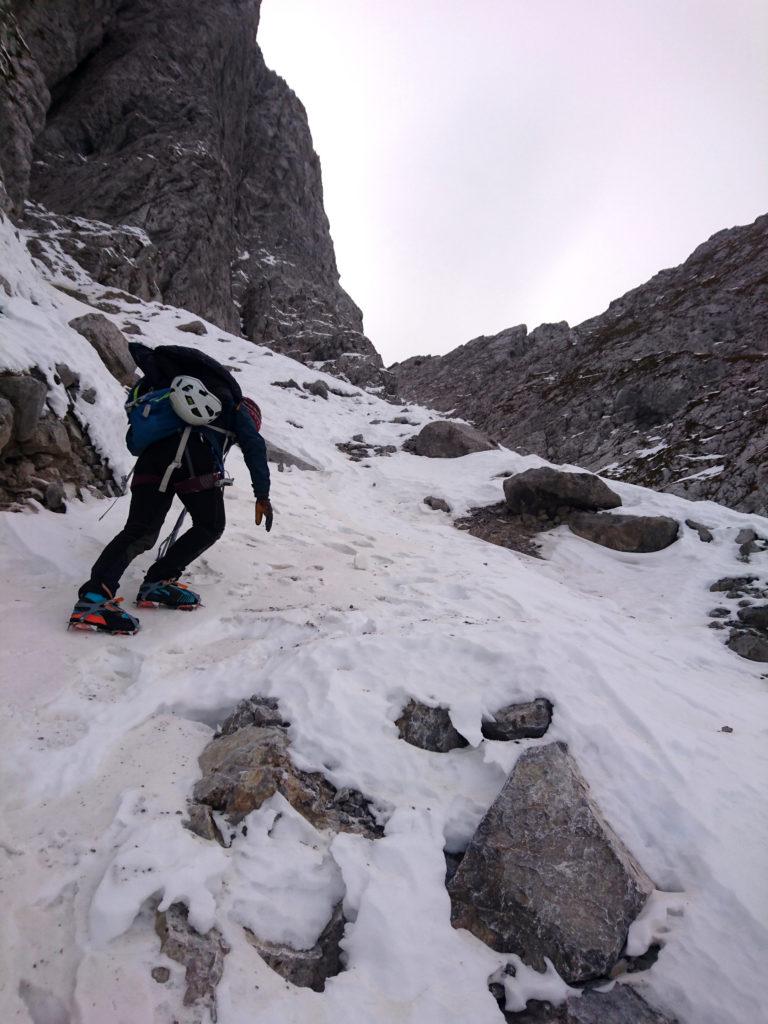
<point>666,388</point>
<point>161,115</point>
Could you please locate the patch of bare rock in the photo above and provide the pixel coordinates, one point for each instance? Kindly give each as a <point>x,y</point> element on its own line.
<point>202,956</point>
<point>430,728</point>
<point>247,762</point>
<point>622,1005</point>
<point>448,439</point>
<point>748,621</point>
<point>538,500</point>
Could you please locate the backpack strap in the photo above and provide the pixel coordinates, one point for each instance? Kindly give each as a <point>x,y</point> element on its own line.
<point>176,464</point>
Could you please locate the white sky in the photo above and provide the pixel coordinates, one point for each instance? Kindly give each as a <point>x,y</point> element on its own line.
<point>494,162</point>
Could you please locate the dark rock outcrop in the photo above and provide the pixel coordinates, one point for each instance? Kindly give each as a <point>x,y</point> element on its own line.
<point>622,1005</point>
<point>519,721</point>
<point>428,728</point>
<point>243,769</point>
<point>202,956</point>
<point>447,439</point>
<point>161,115</point>
<point>547,491</point>
<point>546,876</point>
<point>663,389</point>
<point>307,968</point>
<point>639,534</point>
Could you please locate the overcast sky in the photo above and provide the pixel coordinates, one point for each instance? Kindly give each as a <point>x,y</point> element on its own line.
<point>494,162</point>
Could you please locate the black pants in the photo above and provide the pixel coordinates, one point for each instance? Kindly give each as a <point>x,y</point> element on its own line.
<point>146,516</point>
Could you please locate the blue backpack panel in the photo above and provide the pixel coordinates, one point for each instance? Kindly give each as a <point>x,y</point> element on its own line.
<point>150,418</point>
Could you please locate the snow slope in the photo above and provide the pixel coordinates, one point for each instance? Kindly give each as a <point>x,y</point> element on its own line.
<point>360,598</point>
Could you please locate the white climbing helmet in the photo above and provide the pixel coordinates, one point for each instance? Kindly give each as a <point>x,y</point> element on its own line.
<point>193,402</point>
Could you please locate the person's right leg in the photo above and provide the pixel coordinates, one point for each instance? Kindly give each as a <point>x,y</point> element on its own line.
<point>145,520</point>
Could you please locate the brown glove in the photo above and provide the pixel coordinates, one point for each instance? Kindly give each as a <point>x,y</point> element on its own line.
<point>264,511</point>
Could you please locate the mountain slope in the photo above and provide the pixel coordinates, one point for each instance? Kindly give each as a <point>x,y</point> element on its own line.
<point>359,599</point>
<point>667,388</point>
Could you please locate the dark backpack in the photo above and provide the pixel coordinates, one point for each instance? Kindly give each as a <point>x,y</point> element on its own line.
<point>160,365</point>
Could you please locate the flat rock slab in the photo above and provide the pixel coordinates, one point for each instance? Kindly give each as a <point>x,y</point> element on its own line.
<point>448,439</point>
<point>307,968</point>
<point>546,491</point>
<point>622,1005</point>
<point>429,728</point>
<point>638,534</point>
<point>519,721</point>
<point>201,955</point>
<point>544,874</point>
<point>247,767</point>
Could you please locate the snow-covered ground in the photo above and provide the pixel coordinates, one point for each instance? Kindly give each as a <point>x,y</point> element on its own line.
<point>359,599</point>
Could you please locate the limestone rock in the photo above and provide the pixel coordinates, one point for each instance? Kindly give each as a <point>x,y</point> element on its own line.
<point>546,876</point>
<point>519,721</point>
<point>6,422</point>
<point>27,395</point>
<point>704,532</point>
<point>109,342</point>
<point>732,583</point>
<point>243,769</point>
<point>255,710</point>
<point>318,388</point>
<point>307,968</point>
<point>545,491</point>
<point>622,1005</point>
<point>193,327</point>
<point>428,728</point>
<point>756,616</point>
<point>749,645</point>
<point>202,956</point>
<point>639,534</point>
<point>447,439</point>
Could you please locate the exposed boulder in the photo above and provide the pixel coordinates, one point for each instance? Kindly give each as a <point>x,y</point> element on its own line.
<point>202,956</point>
<point>438,504</point>
<point>109,342</point>
<point>307,968</point>
<point>428,728</point>
<point>749,645</point>
<point>545,875</point>
<point>255,710</point>
<point>756,616</point>
<point>318,388</point>
<point>732,583</point>
<point>282,457</point>
<point>49,437</point>
<point>27,395</point>
<point>243,769</point>
<point>519,721</point>
<point>622,1005</point>
<point>193,327</point>
<point>6,422</point>
<point>640,534</point>
<point>448,439</point>
<point>547,491</point>
<point>704,532</point>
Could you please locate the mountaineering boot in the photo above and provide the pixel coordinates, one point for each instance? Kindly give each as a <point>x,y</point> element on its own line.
<point>101,613</point>
<point>167,594</point>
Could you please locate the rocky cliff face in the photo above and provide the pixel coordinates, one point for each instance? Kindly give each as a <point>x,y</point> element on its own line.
<point>161,115</point>
<point>667,388</point>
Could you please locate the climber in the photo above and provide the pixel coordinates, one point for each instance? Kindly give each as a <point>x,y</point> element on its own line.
<point>183,415</point>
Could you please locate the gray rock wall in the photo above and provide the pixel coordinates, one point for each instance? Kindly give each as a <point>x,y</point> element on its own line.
<point>161,114</point>
<point>667,382</point>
